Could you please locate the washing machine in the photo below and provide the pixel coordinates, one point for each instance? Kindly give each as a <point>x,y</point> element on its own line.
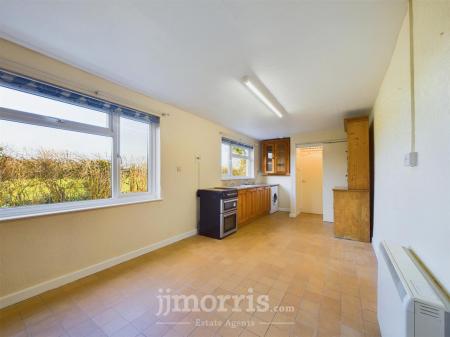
<point>274,199</point>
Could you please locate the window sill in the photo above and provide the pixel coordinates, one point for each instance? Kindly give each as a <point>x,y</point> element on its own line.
<point>69,207</point>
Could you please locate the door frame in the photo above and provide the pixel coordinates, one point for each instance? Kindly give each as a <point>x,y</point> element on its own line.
<point>294,211</point>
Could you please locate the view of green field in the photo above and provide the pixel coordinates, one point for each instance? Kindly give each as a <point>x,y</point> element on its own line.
<point>45,177</point>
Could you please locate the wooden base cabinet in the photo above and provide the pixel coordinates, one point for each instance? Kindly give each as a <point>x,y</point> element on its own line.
<point>352,214</point>
<point>252,203</point>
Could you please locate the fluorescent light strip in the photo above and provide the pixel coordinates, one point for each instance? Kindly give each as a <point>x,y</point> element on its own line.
<point>262,97</point>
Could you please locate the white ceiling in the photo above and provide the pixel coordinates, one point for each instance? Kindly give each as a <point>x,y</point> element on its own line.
<point>321,59</point>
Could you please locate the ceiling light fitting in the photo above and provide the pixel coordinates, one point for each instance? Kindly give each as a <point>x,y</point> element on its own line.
<point>264,95</point>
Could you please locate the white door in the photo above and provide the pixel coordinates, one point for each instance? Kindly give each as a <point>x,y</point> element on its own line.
<point>309,179</point>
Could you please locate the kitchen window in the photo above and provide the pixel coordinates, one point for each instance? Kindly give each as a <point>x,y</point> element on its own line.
<point>237,160</point>
<point>63,151</point>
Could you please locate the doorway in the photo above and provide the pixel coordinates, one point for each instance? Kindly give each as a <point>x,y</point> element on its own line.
<point>309,179</point>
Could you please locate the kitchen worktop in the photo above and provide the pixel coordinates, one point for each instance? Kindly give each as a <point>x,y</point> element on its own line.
<point>245,186</point>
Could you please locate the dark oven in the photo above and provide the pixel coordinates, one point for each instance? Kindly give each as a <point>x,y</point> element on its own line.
<point>218,212</point>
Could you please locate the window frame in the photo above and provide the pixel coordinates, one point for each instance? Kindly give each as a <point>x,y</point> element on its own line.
<point>113,131</point>
<point>250,158</point>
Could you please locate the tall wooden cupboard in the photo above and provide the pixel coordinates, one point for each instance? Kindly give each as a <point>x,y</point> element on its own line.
<point>352,205</point>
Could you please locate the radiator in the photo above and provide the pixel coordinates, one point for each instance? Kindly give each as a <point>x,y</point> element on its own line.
<point>409,303</point>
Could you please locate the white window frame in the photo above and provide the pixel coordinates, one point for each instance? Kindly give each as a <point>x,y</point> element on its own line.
<point>250,157</point>
<point>113,131</point>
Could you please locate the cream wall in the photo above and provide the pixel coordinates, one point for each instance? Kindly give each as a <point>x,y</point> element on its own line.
<point>38,249</point>
<point>412,204</point>
<point>334,175</point>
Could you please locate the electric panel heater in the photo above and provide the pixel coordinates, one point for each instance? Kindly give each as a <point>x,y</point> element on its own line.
<point>410,304</point>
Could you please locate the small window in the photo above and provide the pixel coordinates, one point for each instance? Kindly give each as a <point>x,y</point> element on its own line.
<point>237,160</point>
<point>58,154</point>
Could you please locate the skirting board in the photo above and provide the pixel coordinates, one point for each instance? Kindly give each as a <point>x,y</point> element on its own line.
<point>294,215</point>
<point>76,275</point>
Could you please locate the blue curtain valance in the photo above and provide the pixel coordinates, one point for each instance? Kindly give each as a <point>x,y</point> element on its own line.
<point>233,142</point>
<point>35,87</point>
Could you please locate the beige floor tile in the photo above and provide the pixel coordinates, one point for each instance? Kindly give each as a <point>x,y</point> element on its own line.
<point>307,318</point>
<point>329,324</point>
<point>247,333</point>
<point>371,329</point>
<point>347,331</point>
<point>156,330</point>
<point>72,317</point>
<point>329,283</point>
<point>46,328</point>
<point>229,331</point>
<point>114,325</point>
<point>310,307</point>
<point>265,315</point>
<point>86,328</point>
<point>326,333</point>
<point>370,316</point>
<point>106,316</point>
<point>184,328</point>
<point>276,331</point>
<point>258,326</point>
<point>144,321</point>
<point>301,330</point>
<point>127,331</point>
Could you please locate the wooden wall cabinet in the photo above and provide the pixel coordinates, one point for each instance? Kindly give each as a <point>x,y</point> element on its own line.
<point>252,203</point>
<point>352,205</point>
<point>275,155</point>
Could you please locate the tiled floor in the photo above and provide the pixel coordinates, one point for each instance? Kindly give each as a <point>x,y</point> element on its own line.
<point>298,263</point>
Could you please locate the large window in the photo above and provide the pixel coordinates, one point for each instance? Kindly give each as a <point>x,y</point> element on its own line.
<point>61,151</point>
<point>237,160</point>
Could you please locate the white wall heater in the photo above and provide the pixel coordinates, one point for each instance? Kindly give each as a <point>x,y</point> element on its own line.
<point>409,303</point>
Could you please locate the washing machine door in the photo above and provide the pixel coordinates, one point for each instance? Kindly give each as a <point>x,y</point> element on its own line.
<point>274,199</point>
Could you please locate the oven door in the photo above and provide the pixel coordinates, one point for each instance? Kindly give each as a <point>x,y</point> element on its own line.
<point>228,205</point>
<point>228,223</point>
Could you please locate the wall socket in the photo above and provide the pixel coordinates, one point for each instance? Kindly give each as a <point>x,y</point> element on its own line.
<point>411,159</point>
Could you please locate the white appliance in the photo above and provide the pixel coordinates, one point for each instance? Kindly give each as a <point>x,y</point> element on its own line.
<point>409,303</point>
<point>274,199</point>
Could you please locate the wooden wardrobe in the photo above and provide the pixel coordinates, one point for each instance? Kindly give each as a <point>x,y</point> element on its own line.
<point>352,204</point>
